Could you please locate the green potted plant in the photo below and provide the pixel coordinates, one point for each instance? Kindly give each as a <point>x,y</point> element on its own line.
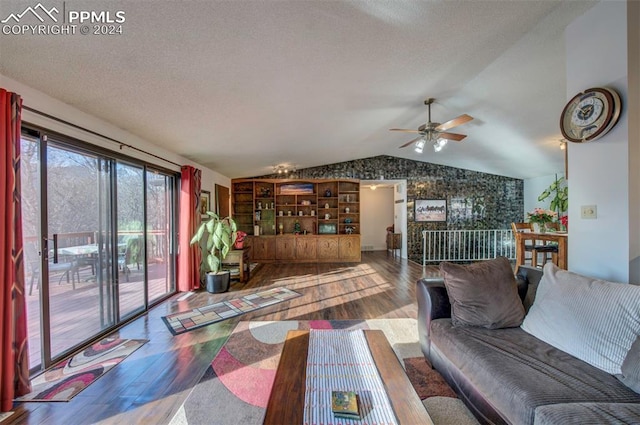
<point>215,237</point>
<point>559,194</point>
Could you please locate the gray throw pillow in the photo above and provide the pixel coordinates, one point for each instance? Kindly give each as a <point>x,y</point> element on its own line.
<point>483,294</point>
<point>631,367</point>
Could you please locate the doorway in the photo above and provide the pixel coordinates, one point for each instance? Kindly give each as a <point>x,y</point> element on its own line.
<point>383,204</point>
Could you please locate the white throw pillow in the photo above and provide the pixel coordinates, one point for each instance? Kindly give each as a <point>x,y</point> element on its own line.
<point>594,320</point>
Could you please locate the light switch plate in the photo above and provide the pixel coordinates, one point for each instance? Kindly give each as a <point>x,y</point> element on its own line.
<point>589,211</point>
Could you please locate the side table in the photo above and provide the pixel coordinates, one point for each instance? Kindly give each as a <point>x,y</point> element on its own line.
<point>241,257</point>
<point>394,242</point>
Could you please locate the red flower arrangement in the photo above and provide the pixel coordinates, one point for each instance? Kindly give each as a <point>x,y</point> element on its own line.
<point>565,221</point>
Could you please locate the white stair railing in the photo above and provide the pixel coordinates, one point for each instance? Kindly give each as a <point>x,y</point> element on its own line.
<point>467,245</point>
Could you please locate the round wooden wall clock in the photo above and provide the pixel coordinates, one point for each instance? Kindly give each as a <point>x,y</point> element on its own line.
<point>590,115</point>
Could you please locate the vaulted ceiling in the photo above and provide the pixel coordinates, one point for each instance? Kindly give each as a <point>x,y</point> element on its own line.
<point>240,86</point>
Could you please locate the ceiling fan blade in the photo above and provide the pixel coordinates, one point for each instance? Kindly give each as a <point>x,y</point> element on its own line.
<point>454,122</point>
<point>452,136</point>
<point>410,142</point>
<point>404,130</point>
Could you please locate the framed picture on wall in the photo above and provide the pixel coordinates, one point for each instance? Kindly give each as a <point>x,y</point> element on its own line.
<point>296,189</point>
<point>205,202</point>
<point>430,210</point>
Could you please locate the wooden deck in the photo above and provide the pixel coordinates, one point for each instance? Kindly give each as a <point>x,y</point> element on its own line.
<point>75,312</point>
<point>151,384</point>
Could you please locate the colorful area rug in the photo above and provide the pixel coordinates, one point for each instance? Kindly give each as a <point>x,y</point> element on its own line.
<point>235,388</point>
<point>67,378</point>
<point>202,316</point>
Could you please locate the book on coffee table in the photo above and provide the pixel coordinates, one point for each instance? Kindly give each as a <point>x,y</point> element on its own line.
<point>344,404</point>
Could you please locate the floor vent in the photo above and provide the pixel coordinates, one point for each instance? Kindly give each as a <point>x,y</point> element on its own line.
<point>367,247</point>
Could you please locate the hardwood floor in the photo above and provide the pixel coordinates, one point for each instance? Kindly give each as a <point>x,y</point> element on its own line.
<point>151,384</point>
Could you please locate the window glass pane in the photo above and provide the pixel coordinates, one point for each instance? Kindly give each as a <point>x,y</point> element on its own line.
<point>80,254</point>
<point>159,235</point>
<point>30,199</point>
<point>131,263</point>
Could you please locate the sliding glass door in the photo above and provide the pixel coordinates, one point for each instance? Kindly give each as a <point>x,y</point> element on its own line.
<point>160,239</point>
<point>98,242</point>
<point>30,185</point>
<point>131,254</point>
<point>78,246</point>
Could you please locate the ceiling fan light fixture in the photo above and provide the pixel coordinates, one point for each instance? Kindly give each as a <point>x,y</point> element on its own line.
<point>439,144</point>
<point>430,131</point>
<point>283,169</point>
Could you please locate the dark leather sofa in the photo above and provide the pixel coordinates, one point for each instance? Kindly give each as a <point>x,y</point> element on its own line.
<point>501,384</point>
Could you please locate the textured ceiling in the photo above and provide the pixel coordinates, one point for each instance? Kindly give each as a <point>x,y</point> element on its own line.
<point>240,86</point>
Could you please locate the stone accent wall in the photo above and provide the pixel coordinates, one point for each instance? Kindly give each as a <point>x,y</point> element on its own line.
<point>475,200</point>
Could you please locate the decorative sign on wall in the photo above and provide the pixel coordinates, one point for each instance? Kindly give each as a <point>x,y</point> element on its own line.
<point>431,210</point>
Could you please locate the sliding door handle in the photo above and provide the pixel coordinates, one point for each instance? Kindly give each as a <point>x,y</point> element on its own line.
<point>45,247</point>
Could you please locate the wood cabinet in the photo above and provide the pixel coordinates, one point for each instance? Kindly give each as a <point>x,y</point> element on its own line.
<point>285,248</point>
<point>299,220</point>
<point>306,248</point>
<point>349,248</point>
<point>263,248</point>
<point>327,247</point>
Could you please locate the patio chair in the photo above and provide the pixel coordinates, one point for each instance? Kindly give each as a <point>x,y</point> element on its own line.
<point>67,267</point>
<point>123,258</point>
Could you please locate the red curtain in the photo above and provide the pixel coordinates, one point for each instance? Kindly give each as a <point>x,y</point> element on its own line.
<point>189,255</point>
<point>14,357</point>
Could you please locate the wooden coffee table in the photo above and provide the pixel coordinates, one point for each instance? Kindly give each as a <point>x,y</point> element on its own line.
<point>286,403</point>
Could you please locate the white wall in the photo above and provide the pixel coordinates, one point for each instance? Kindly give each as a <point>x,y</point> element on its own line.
<point>633,108</point>
<point>376,214</point>
<point>40,101</point>
<point>533,188</point>
<point>596,46</point>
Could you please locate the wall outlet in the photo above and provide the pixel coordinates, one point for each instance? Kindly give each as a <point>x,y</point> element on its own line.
<point>589,211</point>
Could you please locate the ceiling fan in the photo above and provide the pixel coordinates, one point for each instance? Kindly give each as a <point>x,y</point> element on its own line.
<point>434,132</point>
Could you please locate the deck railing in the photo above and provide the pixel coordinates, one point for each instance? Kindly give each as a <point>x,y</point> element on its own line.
<point>466,245</point>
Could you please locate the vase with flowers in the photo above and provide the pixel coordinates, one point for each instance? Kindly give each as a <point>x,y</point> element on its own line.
<point>541,217</point>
